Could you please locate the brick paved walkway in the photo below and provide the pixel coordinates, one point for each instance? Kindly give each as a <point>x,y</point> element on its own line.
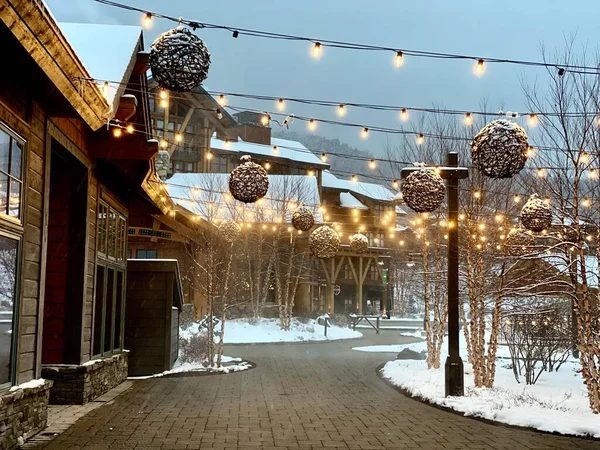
<point>309,396</point>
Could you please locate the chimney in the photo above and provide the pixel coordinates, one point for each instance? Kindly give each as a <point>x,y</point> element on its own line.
<point>250,128</point>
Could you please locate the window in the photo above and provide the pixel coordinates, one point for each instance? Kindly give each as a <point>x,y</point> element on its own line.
<point>189,167</point>
<point>379,210</point>
<point>147,254</point>
<point>370,237</point>
<point>347,272</point>
<point>381,239</point>
<point>373,273</point>
<point>219,164</point>
<point>177,166</point>
<point>11,178</point>
<point>9,270</point>
<point>110,275</point>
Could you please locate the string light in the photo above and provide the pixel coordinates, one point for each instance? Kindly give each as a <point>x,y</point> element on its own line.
<point>530,152</point>
<point>147,20</point>
<point>311,173</point>
<point>219,114</point>
<point>541,173</point>
<point>404,114</point>
<point>420,139</point>
<point>517,198</point>
<point>226,144</point>
<point>130,129</point>
<point>364,133</point>
<point>461,216</point>
<point>280,104</point>
<point>267,165</point>
<point>479,67</point>
<point>312,125</point>
<point>163,143</point>
<point>163,103</point>
<point>178,137</point>
<point>265,120</point>
<point>481,226</point>
<point>532,120</point>
<point>584,158</point>
<point>324,157</point>
<point>477,194</point>
<point>372,164</point>
<point>209,155</point>
<point>105,89</point>
<point>399,59</point>
<point>586,202</point>
<point>593,174</point>
<point>547,200</point>
<point>401,242</point>
<point>353,178</point>
<point>221,100</point>
<point>395,184</point>
<point>117,132</point>
<point>499,217</point>
<point>316,50</point>
<point>275,150</point>
<point>163,94</point>
<point>468,119</point>
<point>341,110</point>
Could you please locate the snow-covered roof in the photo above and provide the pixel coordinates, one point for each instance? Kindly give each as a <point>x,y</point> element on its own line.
<point>347,200</point>
<point>288,150</point>
<point>400,211</point>
<point>591,267</point>
<point>370,190</point>
<point>106,51</point>
<point>207,195</point>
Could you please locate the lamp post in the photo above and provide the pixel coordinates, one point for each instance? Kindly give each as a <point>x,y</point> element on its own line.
<point>454,365</point>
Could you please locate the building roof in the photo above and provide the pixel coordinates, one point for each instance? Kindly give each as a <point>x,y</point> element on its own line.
<point>286,150</point>
<point>347,200</point>
<point>369,190</point>
<point>207,195</point>
<point>106,51</point>
<point>400,211</point>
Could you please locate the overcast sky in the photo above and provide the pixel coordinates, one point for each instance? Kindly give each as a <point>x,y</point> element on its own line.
<point>512,30</point>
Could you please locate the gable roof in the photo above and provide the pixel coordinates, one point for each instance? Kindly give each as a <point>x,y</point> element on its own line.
<point>347,200</point>
<point>369,190</point>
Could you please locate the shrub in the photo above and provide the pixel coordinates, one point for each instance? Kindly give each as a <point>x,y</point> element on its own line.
<point>194,349</point>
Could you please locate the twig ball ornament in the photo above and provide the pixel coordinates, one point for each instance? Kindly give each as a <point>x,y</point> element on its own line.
<point>423,190</point>
<point>518,242</point>
<point>303,218</point>
<point>536,215</point>
<point>324,242</point>
<point>359,243</point>
<point>499,150</point>
<point>230,230</point>
<point>248,182</point>
<point>179,60</point>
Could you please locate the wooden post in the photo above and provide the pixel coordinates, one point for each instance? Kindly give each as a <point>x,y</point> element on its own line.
<point>359,285</point>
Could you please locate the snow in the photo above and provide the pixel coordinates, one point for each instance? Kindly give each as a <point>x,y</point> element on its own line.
<point>29,385</point>
<point>556,403</point>
<point>203,194</point>
<point>591,267</point>
<point>286,150</point>
<point>179,367</point>
<point>106,51</point>
<point>347,200</point>
<point>399,210</point>
<point>370,190</point>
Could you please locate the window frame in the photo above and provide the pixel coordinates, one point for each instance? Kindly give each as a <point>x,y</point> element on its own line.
<point>137,253</point>
<point>14,136</point>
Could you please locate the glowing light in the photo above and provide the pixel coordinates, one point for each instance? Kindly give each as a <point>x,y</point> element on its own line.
<point>541,173</point>
<point>420,139</point>
<point>395,184</point>
<point>372,164</point>
<point>312,125</point>
<point>267,165</point>
<point>547,200</point>
<point>593,174</point>
<point>399,59</point>
<point>341,110</point>
<point>226,144</point>
<point>478,246</point>
<point>479,68</point>
<point>130,129</point>
<point>117,132</point>
<point>589,238</point>
<point>147,20</point>
<point>164,103</point>
<point>105,89</point>
<point>461,216</point>
<point>222,100</point>
<point>324,157</point>
<point>499,217</point>
<point>404,115</point>
<point>586,202</point>
<point>316,50</point>
<point>532,120</point>
<point>265,120</point>
<point>517,198</point>
<point>354,178</point>
<point>219,114</point>
<point>164,94</point>
<point>401,242</point>
<point>584,158</point>
<point>178,137</point>
<point>451,224</point>
<point>437,170</point>
<point>481,226</point>
<point>530,153</point>
<point>164,143</point>
<point>468,120</point>
<point>280,104</point>
<point>311,173</point>
<point>275,150</point>
<point>364,133</point>
<point>209,155</point>
<point>477,194</point>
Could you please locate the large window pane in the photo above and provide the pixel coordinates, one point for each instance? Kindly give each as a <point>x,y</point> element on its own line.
<point>98,309</point>
<point>3,193</point>
<point>118,310</point>
<point>8,276</point>
<point>4,151</point>
<point>14,199</point>
<point>15,159</point>
<point>109,312</point>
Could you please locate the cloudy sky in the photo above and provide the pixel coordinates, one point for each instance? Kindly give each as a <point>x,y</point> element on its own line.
<point>514,30</point>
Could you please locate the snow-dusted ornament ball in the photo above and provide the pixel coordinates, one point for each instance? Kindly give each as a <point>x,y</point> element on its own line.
<point>423,190</point>
<point>248,182</point>
<point>324,242</point>
<point>499,150</point>
<point>359,243</point>
<point>303,218</point>
<point>179,60</point>
<point>518,242</point>
<point>536,215</point>
<point>229,230</point>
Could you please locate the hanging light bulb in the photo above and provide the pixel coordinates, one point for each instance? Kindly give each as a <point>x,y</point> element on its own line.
<point>530,153</point>
<point>479,68</point>
<point>353,178</point>
<point>105,89</point>
<point>461,216</point>
<point>499,217</point>
<point>364,133</point>
<point>584,158</point>
<point>541,173</point>
<point>222,100</point>
<point>219,114</point>
<point>226,144</point>
<point>209,155</point>
<point>586,202</point>
<point>517,198</point>
<point>117,132</point>
<point>316,50</point>
<point>593,174</point>
<point>130,129</point>
<point>280,104</point>
<point>275,150</point>
<point>311,173</point>
<point>547,200</point>
<point>147,20</point>
<point>324,157</point>
<point>265,120</point>
<point>395,184</point>
<point>404,114</point>
<point>532,120</point>
<point>468,119</point>
<point>372,164</point>
<point>477,194</point>
<point>267,165</point>
<point>164,143</point>
<point>312,125</point>
<point>481,226</point>
<point>164,94</point>
<point>341,110</point>
<point>399,59</point>
<point>420,139</point>
<point>178,137</point>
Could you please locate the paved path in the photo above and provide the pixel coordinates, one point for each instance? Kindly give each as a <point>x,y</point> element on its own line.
<point>307,396</point>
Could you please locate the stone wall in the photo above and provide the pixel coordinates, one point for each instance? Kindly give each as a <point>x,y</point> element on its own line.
<point>23,413</point>
<point>77,385</point>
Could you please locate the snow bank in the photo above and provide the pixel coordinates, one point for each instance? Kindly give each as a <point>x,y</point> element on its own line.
<point>179,367</point>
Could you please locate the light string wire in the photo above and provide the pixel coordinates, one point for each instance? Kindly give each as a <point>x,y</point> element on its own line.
<point>195,24</point>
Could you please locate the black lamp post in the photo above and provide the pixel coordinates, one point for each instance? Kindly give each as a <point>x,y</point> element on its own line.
<point>454,366</point>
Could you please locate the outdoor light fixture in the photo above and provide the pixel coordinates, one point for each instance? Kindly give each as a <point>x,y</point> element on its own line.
<point>316,50</point>
<point>404,115</point>
<point>399,59</point>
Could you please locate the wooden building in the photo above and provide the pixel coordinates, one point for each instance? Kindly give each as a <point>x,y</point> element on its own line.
<point>67,187</point>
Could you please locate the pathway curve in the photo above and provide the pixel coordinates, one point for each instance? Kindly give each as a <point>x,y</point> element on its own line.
<point>302,396</point>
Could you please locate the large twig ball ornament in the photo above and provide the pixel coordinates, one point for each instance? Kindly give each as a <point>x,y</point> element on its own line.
<point>179,60</point>
<point>359,243</point>
<point>248,182</point>
<point>303,218</point>
<point>324,242</point>
<point>536,215</point>
<point>499,150</point>
<point>229,230</point>
<point>423,190</point>
<point>518,242</point>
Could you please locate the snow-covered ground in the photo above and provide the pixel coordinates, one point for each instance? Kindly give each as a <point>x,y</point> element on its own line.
<point>240,331</point>
<point>233,365</point>
<point>557,402</point>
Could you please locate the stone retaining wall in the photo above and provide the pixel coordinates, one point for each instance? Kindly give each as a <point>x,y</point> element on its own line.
<point>23,413</point>
<point>77,385</point>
